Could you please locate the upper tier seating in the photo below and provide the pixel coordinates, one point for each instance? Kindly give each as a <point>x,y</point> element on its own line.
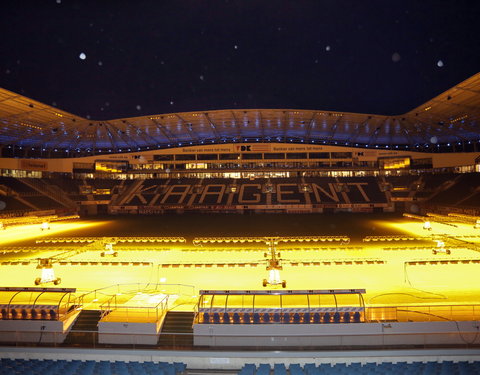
<point>465,185</point>
<point>16,185</point>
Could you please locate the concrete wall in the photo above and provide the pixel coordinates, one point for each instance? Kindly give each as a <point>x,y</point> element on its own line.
<point>333,335</point>
<point>128,333</point>
<point>36,331</point>
<point>31,331</point>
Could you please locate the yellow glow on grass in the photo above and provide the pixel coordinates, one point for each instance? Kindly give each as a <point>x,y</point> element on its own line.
<point>29,232</point>
<point>415,228</point>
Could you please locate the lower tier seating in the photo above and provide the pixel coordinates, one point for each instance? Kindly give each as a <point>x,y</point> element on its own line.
<point>399,368</point>
<point>61,367</point>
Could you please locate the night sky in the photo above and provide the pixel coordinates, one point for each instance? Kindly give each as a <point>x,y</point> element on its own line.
<point>152,57</point>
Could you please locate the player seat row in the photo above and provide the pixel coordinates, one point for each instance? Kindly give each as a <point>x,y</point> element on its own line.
<point>24,313</point>
<point>283,318</point>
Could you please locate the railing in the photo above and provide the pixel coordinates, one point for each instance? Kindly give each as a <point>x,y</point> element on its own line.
<point>177,341</point>
<point>424,313</point>
<point>110,299</point>
<point>114,311</point>
<point>119,289</point>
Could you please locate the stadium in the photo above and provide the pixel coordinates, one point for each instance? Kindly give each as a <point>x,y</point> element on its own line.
<point>241,241</point>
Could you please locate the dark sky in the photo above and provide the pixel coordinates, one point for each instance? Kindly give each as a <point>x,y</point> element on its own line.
<point>151,57</point>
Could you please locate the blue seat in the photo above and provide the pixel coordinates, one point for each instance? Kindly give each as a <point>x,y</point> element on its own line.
<point>236,318</point>
<point>296,369</point>
<point>266,318</point>
<point>310,368</point>
<point>246,318</point>
<point>346,317</point>
<point>276,318</point>
<point>206,317</point>
<point>340,366</point>
<point>336,317</point>
<point>356,317</point>
<point>216,318</point>
<point>296,318</point>
<point>53,314</point>
<point>316,318</point>
<point>256,318</point>
<point>357,366</point>
<point>180,366</point>
<point>263,369</point>
<point>279,369</point>
<point>326,318</point>
<point>306,318</point>
<point>34,314</point>
<point>226,318</point>
<point>248,369</point>
<point>14,313</point>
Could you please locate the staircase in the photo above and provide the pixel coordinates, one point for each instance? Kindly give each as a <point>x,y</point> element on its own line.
<point>6,191</point>
<point>177,329</point>
<point>51,191</point>
<point>84,331</point>
<point>445,186</point>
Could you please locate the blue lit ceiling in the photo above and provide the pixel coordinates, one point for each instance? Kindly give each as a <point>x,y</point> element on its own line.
<point>448,120</point>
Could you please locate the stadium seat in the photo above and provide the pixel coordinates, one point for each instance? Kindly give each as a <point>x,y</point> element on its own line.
<point>43,314</point>
<point>24,314</point>
<point>296,318</point>
<point>236,318</point>
<point>226,318</point>
<point>316,318</point>
<point>266,318</point>
<point>256,318</point>
<point>296,369</point>
<point>53,314</point>
<point>306,318</point>
<point>216,318</point>
<point>248,369</point>
<point>206,317</point>
<point>310,368</point>
<point>356,317</point>
<point>279,369</point>
<point>326,318</point>
<point>263,369</point>
<point>336,317</point>
<point>34,314</point>
<point>4,313</point>
<point>276,317</point>
<point>346,317</point>
<point>246,318</point>
<point>14,313</point>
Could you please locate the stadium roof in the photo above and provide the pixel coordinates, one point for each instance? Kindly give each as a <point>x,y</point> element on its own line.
<point>448,122</point>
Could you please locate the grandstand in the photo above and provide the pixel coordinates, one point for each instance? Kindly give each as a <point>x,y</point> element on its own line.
<point>88,259</point>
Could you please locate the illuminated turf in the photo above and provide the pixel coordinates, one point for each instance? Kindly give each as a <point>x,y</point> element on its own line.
<point>23,233</point>
<point>394,272</point>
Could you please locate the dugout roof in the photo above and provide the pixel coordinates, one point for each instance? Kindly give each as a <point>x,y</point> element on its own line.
<point>450,119</point>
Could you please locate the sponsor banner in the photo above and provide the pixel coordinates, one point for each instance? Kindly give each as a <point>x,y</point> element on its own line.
<point>262,147</point>
<point>33,165</point>
<point>40,213</point>
<point>92,203</point>
<point>206,149</point>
